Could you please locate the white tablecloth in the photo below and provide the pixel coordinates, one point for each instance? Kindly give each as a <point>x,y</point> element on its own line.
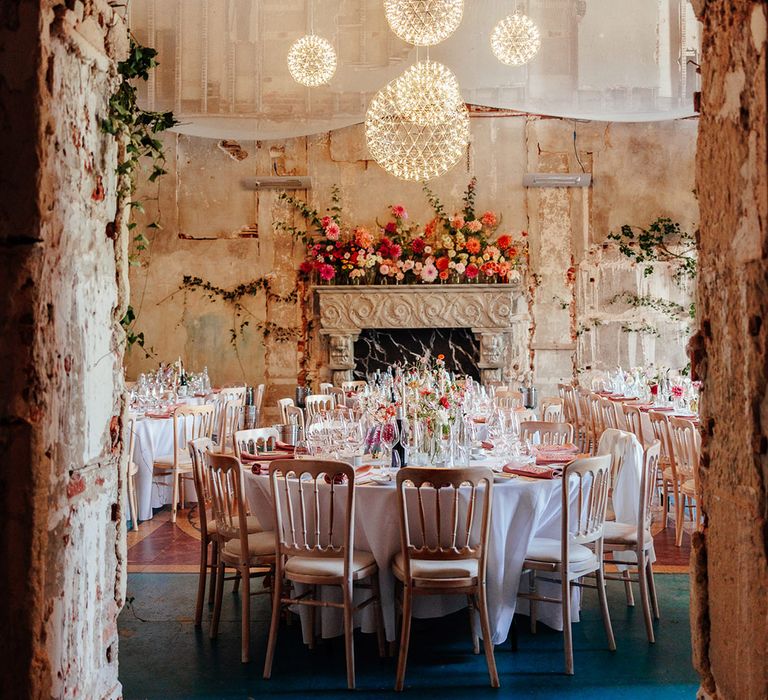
<point>522,510</point>
<point>153,439</point>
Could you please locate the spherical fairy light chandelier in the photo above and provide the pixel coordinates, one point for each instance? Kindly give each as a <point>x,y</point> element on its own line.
<point>428,93</point>
<point>424,22</point>
<point>408,148</point>
<point>515,40</point>
<point>312,60</point>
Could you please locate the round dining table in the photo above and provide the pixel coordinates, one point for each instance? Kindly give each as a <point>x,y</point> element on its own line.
<point>522,509</point>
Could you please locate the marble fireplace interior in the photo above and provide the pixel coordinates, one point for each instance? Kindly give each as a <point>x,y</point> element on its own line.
<point>381,348</point>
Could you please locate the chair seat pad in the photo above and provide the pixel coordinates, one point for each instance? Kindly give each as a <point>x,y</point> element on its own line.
<point>623,533</point>
<point>435,568</point>
<point>260,544</point>
<point>689,487</point>
<point>252,523</point>
<point>549,550</point>
<point>166,461</point>
<point>327,566</point>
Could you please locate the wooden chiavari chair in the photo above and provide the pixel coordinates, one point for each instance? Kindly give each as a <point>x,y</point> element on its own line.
<point>339,397</point>
<point>435,561</point>
<point>189,423</point>
<point>549,433</point>
<point>325,388</point>
<point>634,421</point>
<point>608,414</point>
<point>230,419</point>
<point>239,549</point>
<point>319,403</point>
<point>579,551</point>
<point>669,483</point>
<point>282,404</point>
<point>130,476</point>
<point>255,440</point>
<point>355,385</point>
<point>233,393</point>
<point>552,410</point>
<point>313,550</point>
<point>686,444</point>
<point>637,538</point>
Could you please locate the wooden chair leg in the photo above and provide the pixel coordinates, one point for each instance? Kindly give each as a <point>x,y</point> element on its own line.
<point>567,634</point>
<point>644,598</point>
<point>628,588</point>
<point>217,602</point>
<point>245,622</point>
<point>277,591</point>
<point>214,567</point>
<point>236,584</point>
<point>532,603</point>
<point>601,594</point>
<point>680,516</point>
<point>377,610</point>
<point>665,503</point>
<point>349,631</point>
<point>652,589</point>
<point>487,638</point>
<point>312,620</point>
<point>175,491</point>
<point>472,630</point>
<point>405,637</point>
<point>201,580</point>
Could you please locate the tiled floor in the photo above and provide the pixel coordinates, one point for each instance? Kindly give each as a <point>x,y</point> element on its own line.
<point>163,655</point>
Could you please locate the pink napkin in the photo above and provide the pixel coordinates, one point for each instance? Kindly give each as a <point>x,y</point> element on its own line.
<point>532,471</point>
<point>263,457</point>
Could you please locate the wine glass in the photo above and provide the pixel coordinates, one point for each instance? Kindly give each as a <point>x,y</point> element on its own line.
<point>390,435</point>
<point>301,449</point>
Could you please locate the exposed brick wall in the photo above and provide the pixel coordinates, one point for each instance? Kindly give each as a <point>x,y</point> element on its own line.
<point>63,286</point>
<point>730,583</point>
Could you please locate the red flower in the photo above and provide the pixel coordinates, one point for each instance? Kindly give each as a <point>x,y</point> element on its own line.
<point>504,241</point>
<point>472,271</point>
<point>444,275</point>
<point>444,402</point>
<point>442,264</point>
<point>488,219</point>
<point>306,267</point>
<point>395,251</point>
<point>327,272</point>
<point>417,245</point>
<point>490,268</point>
<point>391,227</point>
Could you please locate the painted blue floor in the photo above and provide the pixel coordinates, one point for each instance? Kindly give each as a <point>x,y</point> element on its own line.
<point>162,655</point>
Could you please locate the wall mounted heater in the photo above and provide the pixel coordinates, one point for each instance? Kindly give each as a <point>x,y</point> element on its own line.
<point>557,180</point>
<point>274,182</point>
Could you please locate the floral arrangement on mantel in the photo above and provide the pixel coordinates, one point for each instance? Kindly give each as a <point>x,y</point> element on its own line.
<point>458,249</point>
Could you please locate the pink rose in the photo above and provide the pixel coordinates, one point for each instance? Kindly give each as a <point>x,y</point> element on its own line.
<point>332,231</point>
<point>325,221</point>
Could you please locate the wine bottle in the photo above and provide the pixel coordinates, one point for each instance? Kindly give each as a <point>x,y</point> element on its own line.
<point>399,448</point>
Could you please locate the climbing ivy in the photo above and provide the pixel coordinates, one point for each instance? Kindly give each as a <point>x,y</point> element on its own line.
<point>662,241</point>
<point>669,308</point>
<point>136,130</point>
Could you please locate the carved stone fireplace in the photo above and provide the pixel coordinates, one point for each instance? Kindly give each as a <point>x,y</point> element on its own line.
<point>497,314</point>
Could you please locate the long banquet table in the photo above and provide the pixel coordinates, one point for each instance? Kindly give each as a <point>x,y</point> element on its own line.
<point>522,509</point>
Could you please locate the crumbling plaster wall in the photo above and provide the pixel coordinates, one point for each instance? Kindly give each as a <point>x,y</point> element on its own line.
<point>730,351</point>
<point>640,171</point>
<point>63,287</point>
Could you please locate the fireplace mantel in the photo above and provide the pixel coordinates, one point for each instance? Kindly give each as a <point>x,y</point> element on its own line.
<point>496,313</point>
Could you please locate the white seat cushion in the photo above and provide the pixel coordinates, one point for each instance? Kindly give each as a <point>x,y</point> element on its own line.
<point>166,461</point>
<point>252,524</point>
<point>622,533</point>
<point>436,568</point>
<point>260,544</point>
<point>327,566</point>
<point>548,550</point>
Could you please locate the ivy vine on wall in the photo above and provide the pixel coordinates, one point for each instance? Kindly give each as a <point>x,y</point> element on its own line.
<point>135,130</point>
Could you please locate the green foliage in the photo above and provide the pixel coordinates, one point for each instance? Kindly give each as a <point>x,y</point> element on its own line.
<point>643,327</point>
<point>128,322</point>
<point>469,200</point>
<point>138,129</point>
<point>252,288</point>
<point>675,311</point>
<point>662,241</point>
<point>437,205</point>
